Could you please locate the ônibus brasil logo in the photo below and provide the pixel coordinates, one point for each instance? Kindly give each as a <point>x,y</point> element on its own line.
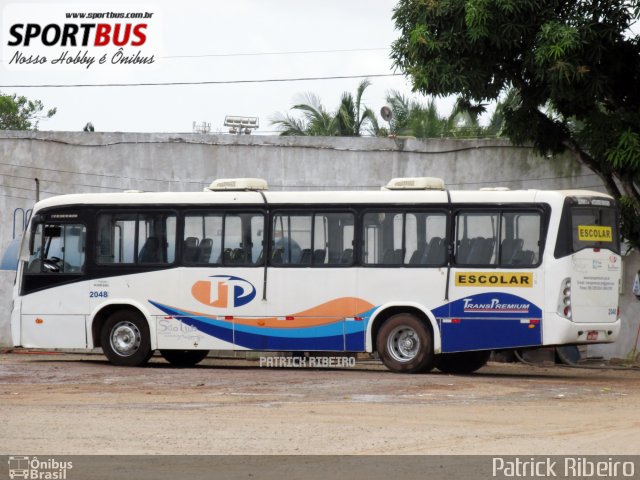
<point>223,291</point>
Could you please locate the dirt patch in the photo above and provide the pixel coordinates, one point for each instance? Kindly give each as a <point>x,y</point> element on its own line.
<point>80,404</point>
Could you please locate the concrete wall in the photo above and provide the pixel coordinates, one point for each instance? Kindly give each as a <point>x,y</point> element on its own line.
<point>74,162</point>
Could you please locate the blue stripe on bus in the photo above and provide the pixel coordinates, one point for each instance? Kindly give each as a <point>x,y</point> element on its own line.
<point>486,334</point>
<point>336,336</point>
<point>484,321</point>
<point>211,327</point>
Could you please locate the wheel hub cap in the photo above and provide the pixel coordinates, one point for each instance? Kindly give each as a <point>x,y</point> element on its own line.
<point>125,339</point>
<point>403,344</point>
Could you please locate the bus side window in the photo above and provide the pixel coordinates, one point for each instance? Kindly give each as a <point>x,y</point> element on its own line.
<point>424,235</point>
<point>145,238</point>
<point>413,238</point>
<point>383,238</point>
<point>291,234</point>
<point>333,239</point>
<point>476,238</point>
<point>313,239</point>
<point>520,239</point>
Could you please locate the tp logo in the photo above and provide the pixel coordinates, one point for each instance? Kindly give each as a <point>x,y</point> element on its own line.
<point>223,291</point>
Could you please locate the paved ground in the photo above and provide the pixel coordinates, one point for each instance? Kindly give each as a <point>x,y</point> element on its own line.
<point>80,404</point>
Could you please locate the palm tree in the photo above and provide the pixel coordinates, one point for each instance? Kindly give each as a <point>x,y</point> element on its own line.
<point>315,119</point>
<point>351,119</point>
<point>412,118</point>
<point>352,116</point>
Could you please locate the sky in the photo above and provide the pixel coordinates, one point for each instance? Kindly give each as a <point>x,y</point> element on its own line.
<point>197,41</point>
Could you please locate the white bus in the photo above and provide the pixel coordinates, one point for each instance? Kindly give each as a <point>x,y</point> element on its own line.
<point>426,277</point>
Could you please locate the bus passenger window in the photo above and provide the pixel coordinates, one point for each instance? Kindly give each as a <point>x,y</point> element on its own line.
<point>416,239</point>
<point>233,239</point>
<point>383,238</point>
<point>313,240</point>
<point>333,239</point>
<point>505,239</point>
<point>145,238</point>
<point>520,239</point>
<point>476,234</point>
<point>291,235</point>
<point>425,234</point>
<point>242,244</point>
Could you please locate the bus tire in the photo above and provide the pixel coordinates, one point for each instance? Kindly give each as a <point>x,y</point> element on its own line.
<point>184,358</point>
<point>405,344</point>
<point>125,339</point>
<point>463,362</point>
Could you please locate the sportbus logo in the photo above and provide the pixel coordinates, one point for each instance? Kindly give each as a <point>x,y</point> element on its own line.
<point>80,36</point>
<point>33,468</point>
<point>223,291</point>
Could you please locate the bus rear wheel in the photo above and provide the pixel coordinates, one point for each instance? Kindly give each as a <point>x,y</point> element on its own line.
<point>125,339</point>
<point>405,344</point>
<point>184,358</point>
<point>463,362</point>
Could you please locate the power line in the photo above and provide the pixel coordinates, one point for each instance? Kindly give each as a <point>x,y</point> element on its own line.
<point>75,184</point>
<point>205,82</point>
<point>295,52</point>
<point>105,175</point>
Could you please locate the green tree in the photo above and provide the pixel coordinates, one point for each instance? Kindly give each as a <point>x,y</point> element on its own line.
<point>573,68</point>
<point>351,119</point>
<point>20,113</point>
<point>353,116</point>
<point>411,117</point>
<point>315,121</point>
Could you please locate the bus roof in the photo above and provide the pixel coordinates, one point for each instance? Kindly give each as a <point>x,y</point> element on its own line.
<point>355,197</point>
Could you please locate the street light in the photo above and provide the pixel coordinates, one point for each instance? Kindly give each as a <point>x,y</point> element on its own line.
<point>239,124</point>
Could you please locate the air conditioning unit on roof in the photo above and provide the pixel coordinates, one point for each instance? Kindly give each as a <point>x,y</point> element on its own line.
<point>415,183</point>
<point>237,184</point>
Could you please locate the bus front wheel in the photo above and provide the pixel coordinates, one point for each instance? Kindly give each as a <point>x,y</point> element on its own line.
<point>184,358</point>
<point>125,339</point>
<point>463,362</point>
<point>405,344</point>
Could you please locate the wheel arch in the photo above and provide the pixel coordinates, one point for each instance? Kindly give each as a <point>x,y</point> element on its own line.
<point>385,311</point>
<point>105,310</point>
